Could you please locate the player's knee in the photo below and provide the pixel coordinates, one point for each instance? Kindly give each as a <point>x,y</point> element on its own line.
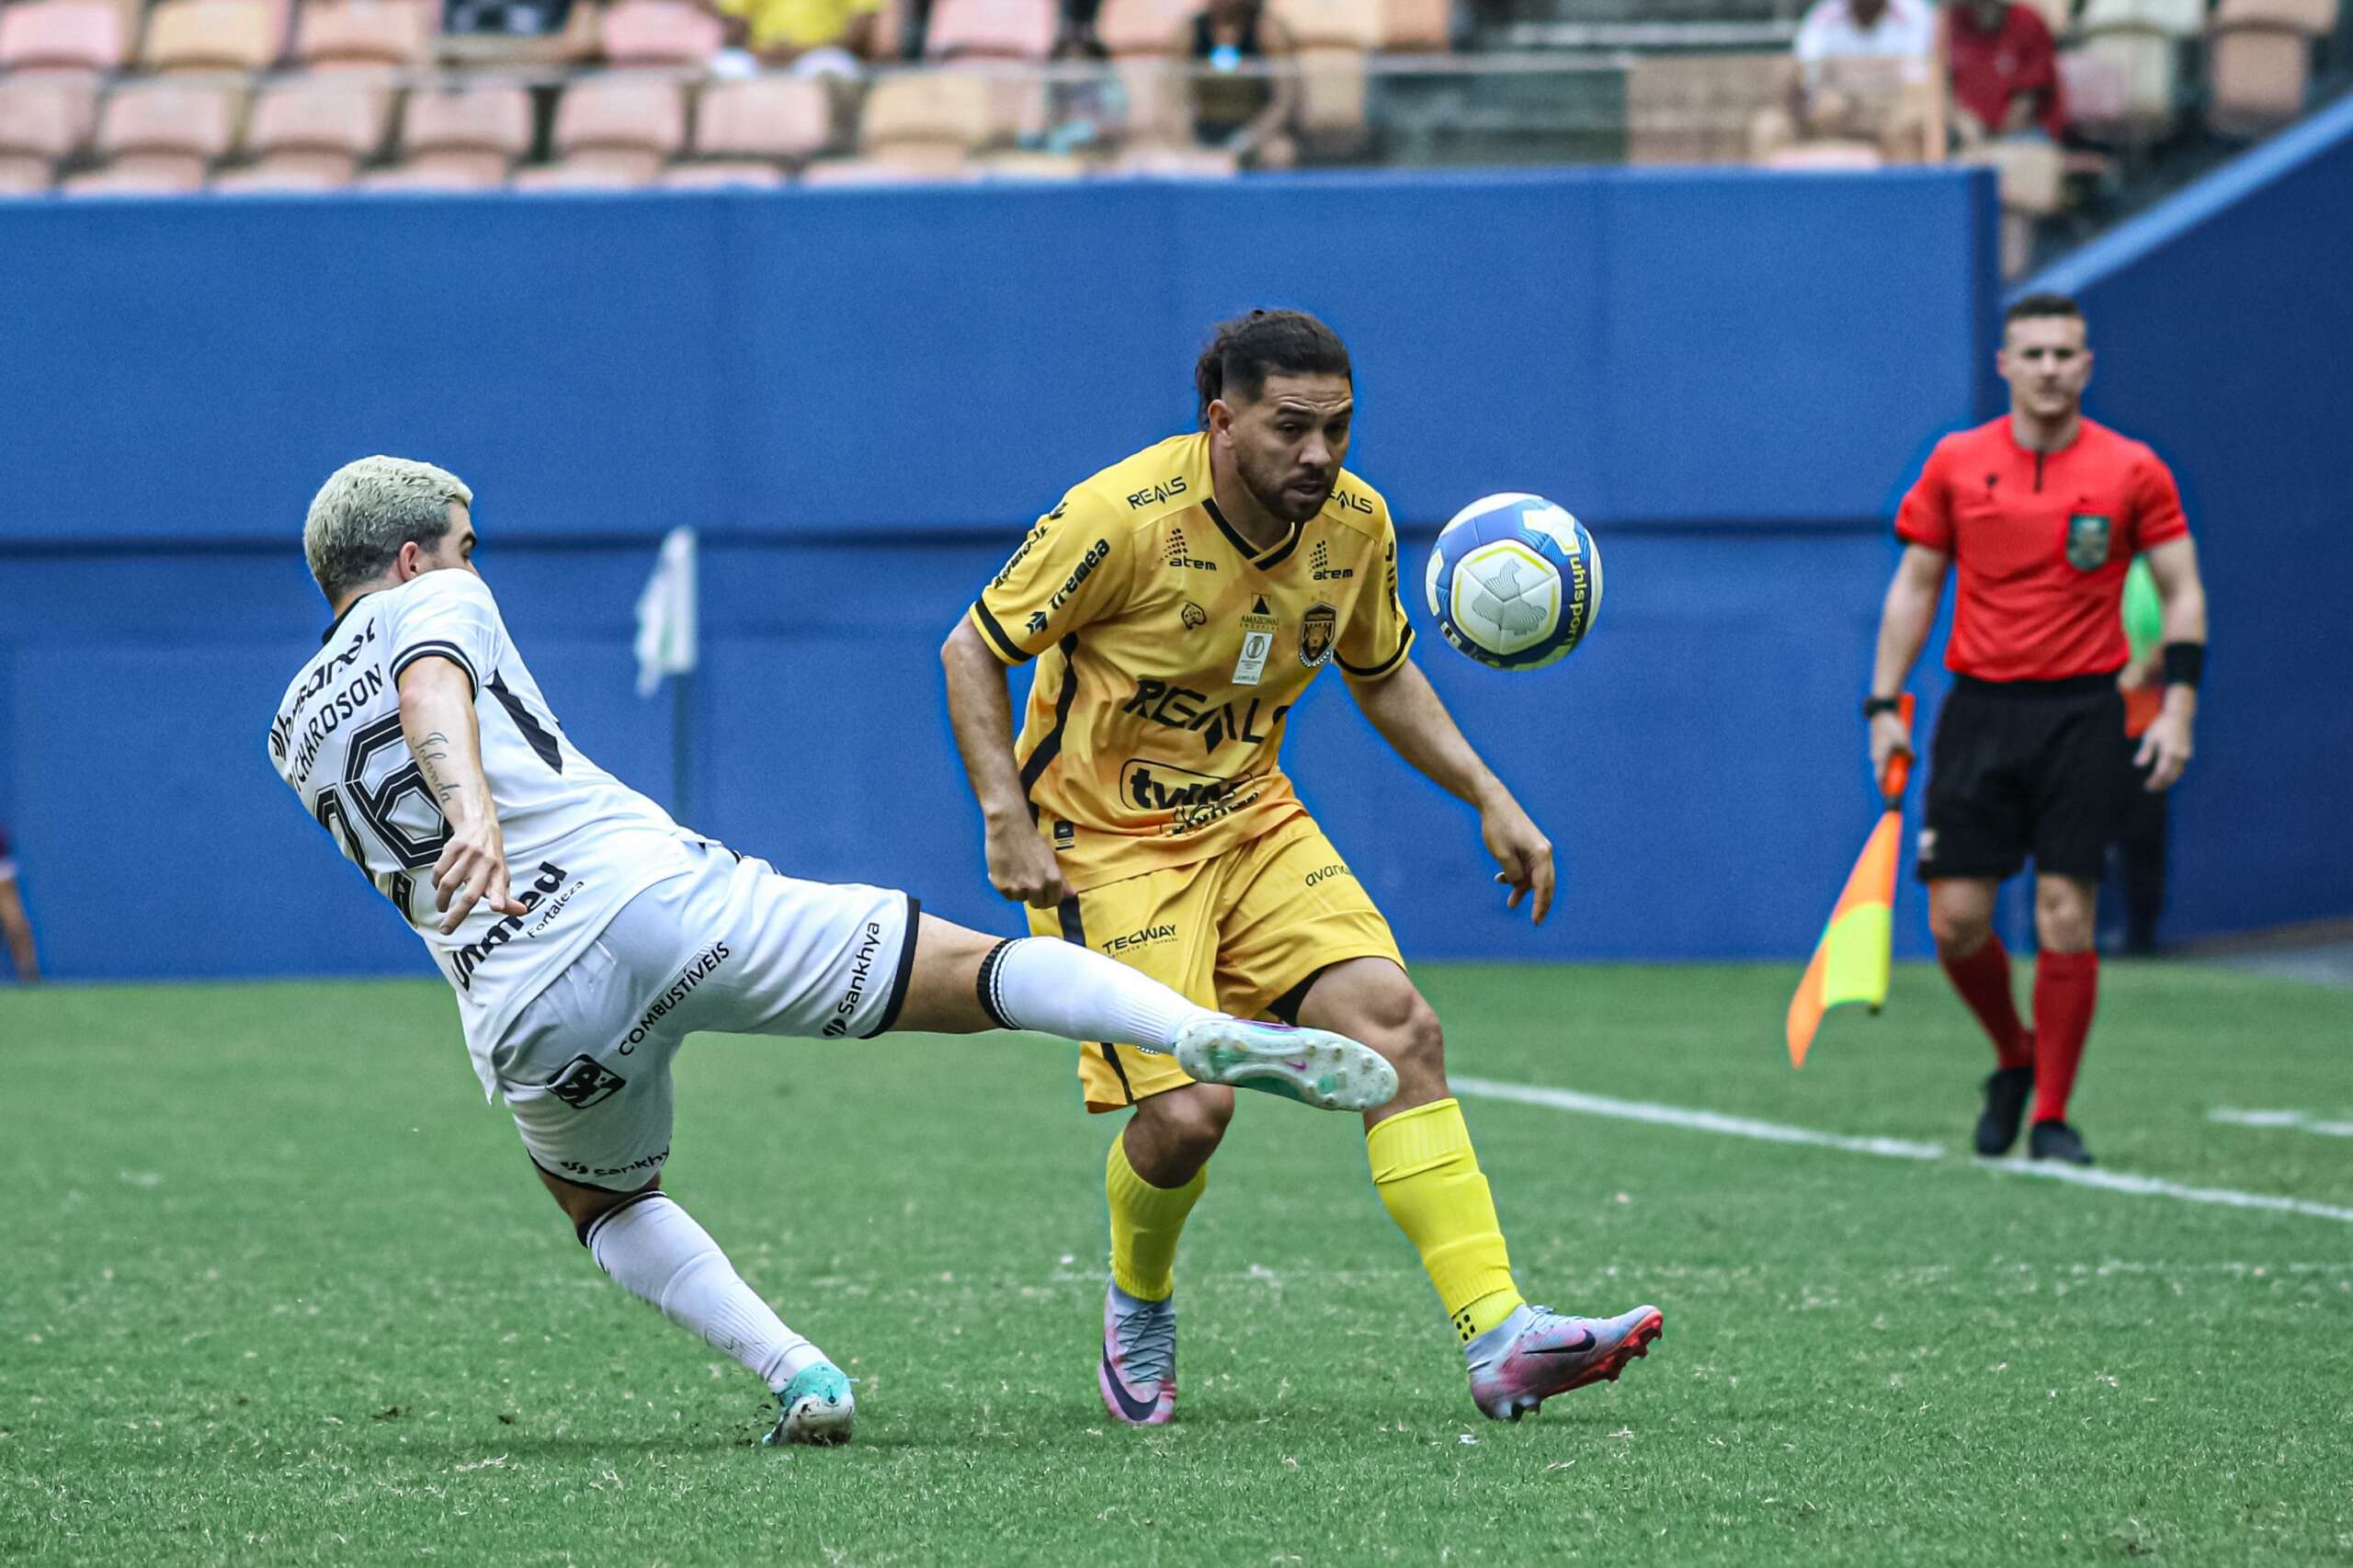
<point>2063,917</point>
<point>1412,1038</point>
<point>1189,1124</point>
<point>1958,931</point>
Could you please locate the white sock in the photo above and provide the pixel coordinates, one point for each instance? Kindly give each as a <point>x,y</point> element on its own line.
<point>660,1255</point>
<point>1057,987</point>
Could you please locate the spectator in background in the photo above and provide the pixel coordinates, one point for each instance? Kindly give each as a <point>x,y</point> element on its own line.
<point>15,925</point>
<point>814,38</point>
<point>1245,112</point>
<point>1862,68</point>
<point>2005,72</point>
<point>2136,861</point>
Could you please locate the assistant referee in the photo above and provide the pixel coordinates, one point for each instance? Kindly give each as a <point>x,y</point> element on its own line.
<point>2042,511</point>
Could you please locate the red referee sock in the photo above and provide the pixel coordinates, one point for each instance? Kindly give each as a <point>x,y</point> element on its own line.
<point>1984,980</point>
<point>2066,988</point>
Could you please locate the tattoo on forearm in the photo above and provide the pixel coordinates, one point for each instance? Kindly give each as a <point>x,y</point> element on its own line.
<point>432,760</point>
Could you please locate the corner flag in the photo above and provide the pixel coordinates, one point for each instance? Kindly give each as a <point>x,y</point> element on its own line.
<point>1850,962</point>
<point>666,614</point>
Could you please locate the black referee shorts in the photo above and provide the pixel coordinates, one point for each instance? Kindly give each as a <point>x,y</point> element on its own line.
<point>2023,768</point>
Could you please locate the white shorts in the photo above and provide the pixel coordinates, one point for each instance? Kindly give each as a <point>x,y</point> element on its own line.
<point>732,945</point>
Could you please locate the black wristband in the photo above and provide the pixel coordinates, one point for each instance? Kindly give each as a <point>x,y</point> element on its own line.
<point>2185,661</point>
<point>1875,706</point>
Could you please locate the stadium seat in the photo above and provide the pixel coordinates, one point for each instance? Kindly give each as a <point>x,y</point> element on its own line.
<point>1143,27</point>
<point>2138,41</point>
<point>1019,165</point>
<point>1199,163</point>
<point>363,35</point>
<point>309,133</point>
<point>61,35</point>
<point>2059,16</point>
<point>68,47</point>
<point>1825,155</point>
<point>159,137</point>
<point>213,35</point>
<point>1330,24</point>
<point>661,32</point>
<point>1415,26</point>
<point>1002,29</point>
<point>925,170</point>
<point>2033,178</point>
<point>747,132</point>
<point>926,118</point>
<point>1330,120</point>
<point>465,139</point>
<point>1698,108</point>
<point>39,127</point>
<point>2258,63</point>
<point>613,132</point>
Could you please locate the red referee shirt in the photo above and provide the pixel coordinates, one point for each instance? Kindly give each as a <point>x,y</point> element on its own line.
<point>2040,542</point>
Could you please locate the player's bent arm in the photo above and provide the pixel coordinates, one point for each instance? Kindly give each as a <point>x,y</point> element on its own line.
<point>1405,709</point>
<point>980,711</point>
<point>18,928</point>
<point>437,721</point>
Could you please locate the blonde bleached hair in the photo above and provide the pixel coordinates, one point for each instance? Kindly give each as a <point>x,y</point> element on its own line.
<point>367,509</point>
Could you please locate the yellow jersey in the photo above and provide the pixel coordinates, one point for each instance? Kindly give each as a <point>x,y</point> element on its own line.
<point>1171,652</point>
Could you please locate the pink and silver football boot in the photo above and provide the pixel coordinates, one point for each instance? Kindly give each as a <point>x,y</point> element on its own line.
<point>1138,1377</point>
<point>1537,1353</point>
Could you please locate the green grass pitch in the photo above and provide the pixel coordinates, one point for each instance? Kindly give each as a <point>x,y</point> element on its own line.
<point>277,1287</point>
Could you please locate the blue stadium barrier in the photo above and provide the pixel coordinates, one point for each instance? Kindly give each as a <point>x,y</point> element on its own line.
<point>862,398</point>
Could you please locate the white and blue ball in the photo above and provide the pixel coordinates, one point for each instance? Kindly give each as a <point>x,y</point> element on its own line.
<point>1515,581</point>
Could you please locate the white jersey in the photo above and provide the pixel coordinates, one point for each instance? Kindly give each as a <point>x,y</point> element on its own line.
<point>580,844</point>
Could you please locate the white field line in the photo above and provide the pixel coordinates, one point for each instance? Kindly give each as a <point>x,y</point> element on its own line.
<point>1580,1104</point>
<point>2297,1120</point>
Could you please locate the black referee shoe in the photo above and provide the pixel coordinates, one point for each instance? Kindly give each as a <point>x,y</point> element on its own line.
<point>2005,1098</point>
<point>2057,1141</point>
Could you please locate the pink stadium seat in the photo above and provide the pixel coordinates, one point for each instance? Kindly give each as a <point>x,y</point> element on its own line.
<point>1004,30</point>
<point>380,34</point>
<point>158,137</point>
<point>2139,43</point>
<point>661,32</point>
<point>311,133</point>
<point>1415,26</point>
<point>1143,27</point>
<point>612,132</point>
<point>466,139</point>
<point>887,171</point>
<point>1825,155</point>
<point>61,35</point>
<point>213,35</point>
<point>1188,162</point>
<point>1700,109</point>
<point>40,125</point>
<point>2258,63</point>
<point>745,132</point>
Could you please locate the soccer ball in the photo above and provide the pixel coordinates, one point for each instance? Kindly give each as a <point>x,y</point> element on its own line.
<point>1515,581</point>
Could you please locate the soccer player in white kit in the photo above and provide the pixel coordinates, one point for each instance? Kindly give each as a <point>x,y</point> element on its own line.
<point>586,934</point>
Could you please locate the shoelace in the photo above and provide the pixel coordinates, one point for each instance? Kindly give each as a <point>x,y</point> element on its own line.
<point>1148,1340</point>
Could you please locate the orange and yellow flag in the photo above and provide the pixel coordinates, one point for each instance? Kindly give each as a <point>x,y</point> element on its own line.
<point>1850,962</point>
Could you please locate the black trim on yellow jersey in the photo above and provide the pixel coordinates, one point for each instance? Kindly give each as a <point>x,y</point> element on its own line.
<point>1051,746</point>
<point>1275,556</point>
<point>1387,666</point>
<point>1006,648</point>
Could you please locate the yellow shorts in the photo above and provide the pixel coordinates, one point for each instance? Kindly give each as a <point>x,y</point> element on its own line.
<point>1238,932</point>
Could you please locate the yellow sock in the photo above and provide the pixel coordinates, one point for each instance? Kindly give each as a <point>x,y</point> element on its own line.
<point>1429,1178</point>
<point>1145,1222</point>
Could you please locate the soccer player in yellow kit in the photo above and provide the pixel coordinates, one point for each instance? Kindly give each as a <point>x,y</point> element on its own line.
<point>1180,602</point>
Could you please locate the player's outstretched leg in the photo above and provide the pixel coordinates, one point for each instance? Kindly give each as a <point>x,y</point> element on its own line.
<point>963,982</point>
<point>1429,1178</point>
<point>654,1250</point>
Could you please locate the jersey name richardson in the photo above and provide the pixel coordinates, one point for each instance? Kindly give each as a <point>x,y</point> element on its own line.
<point>579,843</point>
<point>1170,652</point>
